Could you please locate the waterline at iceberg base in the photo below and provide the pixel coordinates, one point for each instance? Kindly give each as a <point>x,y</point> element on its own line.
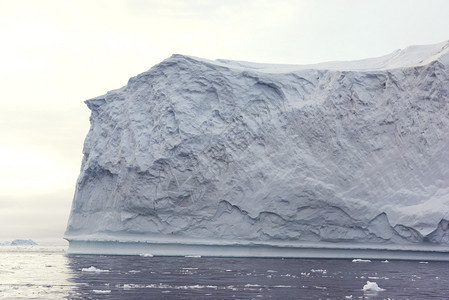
<point>229,158</point>
<point>261,249</point>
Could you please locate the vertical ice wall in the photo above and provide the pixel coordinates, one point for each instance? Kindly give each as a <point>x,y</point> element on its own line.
<point>336,152</point>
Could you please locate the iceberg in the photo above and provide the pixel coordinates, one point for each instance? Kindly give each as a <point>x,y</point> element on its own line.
<point>230,158</point>
<point>22,242</point>
<point>18,242</point>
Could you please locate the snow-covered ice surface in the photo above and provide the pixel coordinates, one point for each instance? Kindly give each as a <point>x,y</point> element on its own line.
<point>201,157</point>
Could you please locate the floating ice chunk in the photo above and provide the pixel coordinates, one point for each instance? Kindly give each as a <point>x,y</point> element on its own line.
<point>348,297</point>
<point>359,260</point>
<point>318,271</point>
<point>385,261</point>
<point>252,285</point>
<point>194,256</point>
<point>127,287</point>
<point>423,262</point>
<point>372,287</point>
<point>146,255</point>
<point>92,269</point>
<point>101,291</point>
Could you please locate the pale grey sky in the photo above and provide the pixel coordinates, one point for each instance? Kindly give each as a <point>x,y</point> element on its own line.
<point>56,54</point>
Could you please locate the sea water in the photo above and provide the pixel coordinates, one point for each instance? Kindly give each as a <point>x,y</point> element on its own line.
<point>49,273</point>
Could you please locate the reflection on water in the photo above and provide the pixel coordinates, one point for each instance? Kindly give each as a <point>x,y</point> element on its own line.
<point>33,272</point>
<point>54,275</point>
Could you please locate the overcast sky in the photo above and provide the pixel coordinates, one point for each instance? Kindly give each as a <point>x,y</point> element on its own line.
<point>56,54</point>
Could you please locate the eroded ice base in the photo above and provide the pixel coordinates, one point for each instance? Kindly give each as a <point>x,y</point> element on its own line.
<point>261,249</point>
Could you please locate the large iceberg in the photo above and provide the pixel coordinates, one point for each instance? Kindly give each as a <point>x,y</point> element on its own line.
<point>202,157</point>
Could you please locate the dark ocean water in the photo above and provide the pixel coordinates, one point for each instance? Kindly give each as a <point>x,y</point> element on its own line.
<point>51,274</point>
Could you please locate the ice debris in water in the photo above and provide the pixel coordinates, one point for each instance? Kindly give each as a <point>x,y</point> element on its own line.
<point>359,260</point>
<point>101,291</point>
<point>146,255</point>
<point>92,269</point>
<point>372,287</point>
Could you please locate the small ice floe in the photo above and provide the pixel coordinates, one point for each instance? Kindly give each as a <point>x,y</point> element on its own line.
<point>92,269</point>
<point>101,291</point>
<point>252,285</point>
<point>423,262</point>
<point>359,260</point>
<point>127,287</point>
<point>146,255</point>
<point>318,271</point>
<point>194,256</point>
<point>372,287</point>
<point>348,297</point>
<point>385,261</point>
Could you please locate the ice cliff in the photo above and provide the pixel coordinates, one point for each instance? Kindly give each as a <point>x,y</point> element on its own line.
<point>195,149</point>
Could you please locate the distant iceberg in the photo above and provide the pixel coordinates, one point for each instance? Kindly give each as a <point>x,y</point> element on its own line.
<point>231,158</point>
<point>19,242</point>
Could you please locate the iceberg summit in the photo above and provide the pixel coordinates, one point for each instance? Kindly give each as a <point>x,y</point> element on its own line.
<point>197,157</point>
